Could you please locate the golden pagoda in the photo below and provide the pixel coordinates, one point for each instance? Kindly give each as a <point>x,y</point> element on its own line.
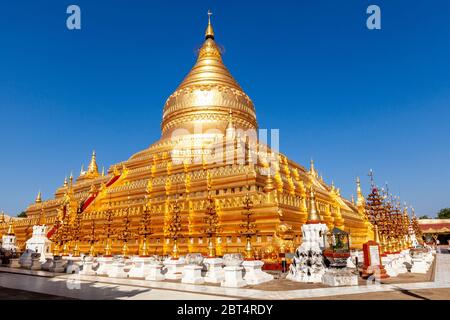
<point>208,128</point>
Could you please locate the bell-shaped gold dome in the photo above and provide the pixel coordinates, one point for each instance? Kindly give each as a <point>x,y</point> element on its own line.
<point>203,101</point>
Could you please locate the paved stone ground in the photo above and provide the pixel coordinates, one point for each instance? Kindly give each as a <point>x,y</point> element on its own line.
<point>15,294</point>
<point>407,286</point>
<point>426,294</point>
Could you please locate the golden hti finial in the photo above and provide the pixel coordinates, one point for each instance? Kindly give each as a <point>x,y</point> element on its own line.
<point>208,181</point>
<point>353,199</point>
<point>71,180</point>
<point>358,186</point>
<point>312,169</point>
<point>229,131</point>
<point>41,220</point>
<point>93,168</point>
<point>103,171</point>
<point>209,33</point>
<point>360,201</point>
<point>269,182</point>
<point>11,228</point>
<point>313,216</point>
<point>230,119</point>
<point>65,182</point>
<point>376,234</point>
<point>39,197</point>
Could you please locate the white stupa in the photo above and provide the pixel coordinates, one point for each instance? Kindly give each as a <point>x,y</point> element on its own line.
<point>308,263</point>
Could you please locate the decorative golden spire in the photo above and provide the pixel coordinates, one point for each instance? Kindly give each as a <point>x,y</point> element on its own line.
<point>11,228</point>
<point>93,168</point>
<point>41,220</point>
<point>209,33</point>
<point>39,197</point>
<point>208,181</point>
<point>313,216</point>
<point>312,170</point>
<point>360,201</point>
<point>269,182</point>
<point>230,125</point>
<point>65,182</point>
<point>376,234</point>
<point>208,90</point>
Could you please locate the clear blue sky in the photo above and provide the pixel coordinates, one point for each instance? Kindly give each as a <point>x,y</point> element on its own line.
<point>351,98</point>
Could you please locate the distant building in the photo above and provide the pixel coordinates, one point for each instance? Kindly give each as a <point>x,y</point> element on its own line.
<point>439,227</point>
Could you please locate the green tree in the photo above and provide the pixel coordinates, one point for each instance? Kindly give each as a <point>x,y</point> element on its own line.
<point>444,214</point>
<point>23,214</point>
<point>424,217</point>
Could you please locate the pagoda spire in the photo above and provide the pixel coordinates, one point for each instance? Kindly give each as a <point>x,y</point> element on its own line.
<point>11,228</point>
<point>313,216</point>
<point>312,169</point>
<point>359,195</point>
<point>39,197</point>
<point>209,33</point>
<point>229,132</point>
<point>93,168</point>
<point>269,182</point>
<point>41,220</point>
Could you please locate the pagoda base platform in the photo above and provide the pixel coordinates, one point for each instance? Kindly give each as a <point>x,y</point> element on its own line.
<point>73,264</point>
<point>117,269</point>
<point>174,269</point>
<point>58,265</point>
<point>254,274</point>
<point>104,264</point>
<point>140,268</point>
<point>88,266</point>
<point>233,277</point>
<point>47,264</point>
<point>14,263</point>
<point>340,277</point>
<point>155,272</point>
<point>215,272</point>
<point>192,274</point>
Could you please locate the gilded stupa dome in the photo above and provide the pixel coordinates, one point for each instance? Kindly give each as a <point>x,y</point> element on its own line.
<point>207,96</point>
